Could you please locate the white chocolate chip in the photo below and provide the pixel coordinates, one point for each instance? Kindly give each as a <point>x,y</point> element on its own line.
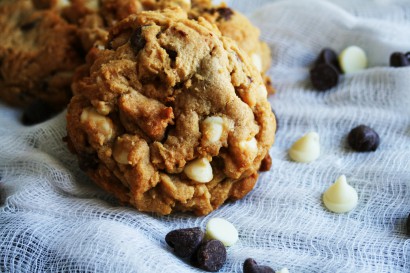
<point>283,270</point>
<point>257,61</point>
<point>97,122</point>
<point>120,152</point>
<point>340,197</point>
<point>63,3</point>
<point>249,146</point>
<point>92,5</point>
<point>213,128</point>
<point>188,2</point>
<point>199,170</point>
<point>352,59</point>
<point>263,91</point>
<point>306,149</point>
<point>222,230</point>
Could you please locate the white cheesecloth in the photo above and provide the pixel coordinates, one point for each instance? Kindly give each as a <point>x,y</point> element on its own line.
<point>54,219</point>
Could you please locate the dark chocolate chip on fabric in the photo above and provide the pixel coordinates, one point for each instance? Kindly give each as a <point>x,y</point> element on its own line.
<point>137,40</point>
<point>328,56</point>
<point>408,224</point>
<point>398,59</point>
<point>250,266</point>
<point>211,255</point>
<point>324,77</point>
<point>185,241</point>
<point>2,194</point>
<point>37,112</point>
<point>363,139</point>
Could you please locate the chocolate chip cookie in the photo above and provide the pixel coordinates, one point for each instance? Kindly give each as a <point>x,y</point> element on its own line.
<point>38,54</point>
<point>170,116</point>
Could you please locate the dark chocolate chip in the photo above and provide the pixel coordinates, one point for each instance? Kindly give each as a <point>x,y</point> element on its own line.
<point>172,54</point>
<point>137,40</point>
<point>37,112</point>
<point>87,161</point>
<point>225,13</point>
<point>266,163</point>
<point>185,241</point>
<point>328,56</point>
<point>363,139</point>
<point>250,266</point>
<point>324,77</point>
<point>398,59</point>
<point>29,25</point>
<point>211,255</point>
<point>43,4</point>
<point>2,194</point>
<point>408,224</point>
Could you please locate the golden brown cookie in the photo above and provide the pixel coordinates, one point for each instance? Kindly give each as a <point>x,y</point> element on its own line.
<point>171,116</point>
<point>38,54</point>
<point>235,25</point>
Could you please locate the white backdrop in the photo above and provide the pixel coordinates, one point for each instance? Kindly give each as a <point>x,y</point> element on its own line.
<point>53,219</point>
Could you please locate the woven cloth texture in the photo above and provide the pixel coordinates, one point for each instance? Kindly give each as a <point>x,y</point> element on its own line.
<point>54,219</point>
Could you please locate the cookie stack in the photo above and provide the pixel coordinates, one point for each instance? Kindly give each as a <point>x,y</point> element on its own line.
<point>169,109</point>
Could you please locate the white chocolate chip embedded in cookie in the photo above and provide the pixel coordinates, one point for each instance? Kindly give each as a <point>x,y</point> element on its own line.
<point>263,91</point>
<point>94,122</point>
<point>121,151</point>
<point>250,147</point>
<point>213,128</point>
<point>257,61</point>
<point>199,170</point>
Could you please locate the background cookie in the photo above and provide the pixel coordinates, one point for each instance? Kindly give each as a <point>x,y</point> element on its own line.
<point>38,53</point>
<point>171,116</point>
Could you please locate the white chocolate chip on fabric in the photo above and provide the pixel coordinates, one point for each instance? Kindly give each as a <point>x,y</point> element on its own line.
<point>257,61</point>
<point>222,230</point>
<point>306,149</point>
<point>199,170</point>
<point>213,128</point>
<point>340,197</point>
<point>352,59</point>
<point>283,270</point>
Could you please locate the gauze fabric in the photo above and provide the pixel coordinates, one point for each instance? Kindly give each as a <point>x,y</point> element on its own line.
<point>54,219</point>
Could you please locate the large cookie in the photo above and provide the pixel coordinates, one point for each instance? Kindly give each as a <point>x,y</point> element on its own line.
<point>171,116</point>
<point>39,51</point>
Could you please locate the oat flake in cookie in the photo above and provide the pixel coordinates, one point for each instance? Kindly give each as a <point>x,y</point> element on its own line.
<point>171,116</point>
<point>38,54</point>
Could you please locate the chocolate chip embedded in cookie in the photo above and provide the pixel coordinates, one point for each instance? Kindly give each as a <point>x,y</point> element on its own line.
<point>38,54</point>
<point>173,114</point>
